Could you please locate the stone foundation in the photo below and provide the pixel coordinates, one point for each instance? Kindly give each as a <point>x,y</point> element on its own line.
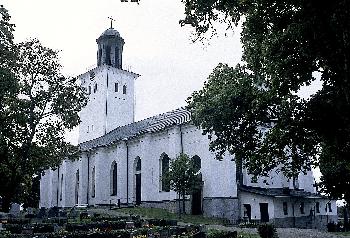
<point>221,207</point>
<point>305,222</point>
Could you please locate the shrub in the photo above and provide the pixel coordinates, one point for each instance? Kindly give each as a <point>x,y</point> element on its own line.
<point>267,230</point>
<point>221,234</point>
<point>331,227</point>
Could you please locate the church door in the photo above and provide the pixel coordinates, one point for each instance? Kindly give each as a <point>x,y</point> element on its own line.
<point>197,202</point>
<point>264,212</point>
<point>138,189</point>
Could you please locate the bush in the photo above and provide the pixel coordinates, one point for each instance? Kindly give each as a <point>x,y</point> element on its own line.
<point>14,228</point>
<point>267,230</point>
<point>331,227</point>
<point>221,234</point>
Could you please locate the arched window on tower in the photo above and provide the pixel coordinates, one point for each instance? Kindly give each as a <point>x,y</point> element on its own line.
<point>164,168</point>
<point>108,55</point>
<point>116,57</point>
<point>124,89</point>
<point>114,178</point>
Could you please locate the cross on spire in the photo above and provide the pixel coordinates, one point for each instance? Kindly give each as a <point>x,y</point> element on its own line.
<point>112,20</point>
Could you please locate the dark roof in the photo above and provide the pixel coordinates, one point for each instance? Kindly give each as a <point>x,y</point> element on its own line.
<point>279,192</point>
<point>110,32</point>
<point>149,125</point>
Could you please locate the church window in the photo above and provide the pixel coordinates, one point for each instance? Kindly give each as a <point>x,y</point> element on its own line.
<point>302,210</point>
<point>92,127</point>
<point>124,89</point>
<point>285,208</point>
<point>116,87</point>
<point>108,55</point>
<point>196,160</point>
<point>88,129</point>
<point>61,187</point>
<point>77,187</point>
<point>116,56</point>
<point>93,183</point>
<point>95,88</point>
<point>164,166</point>
<point>114,178</point>
<point>138,164</point>
<point>89,90</point>
<point>317,207</point>
<point>99,57</point>
<point>329,207</point>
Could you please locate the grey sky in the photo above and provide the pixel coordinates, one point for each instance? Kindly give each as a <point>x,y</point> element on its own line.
<point>156,47</point>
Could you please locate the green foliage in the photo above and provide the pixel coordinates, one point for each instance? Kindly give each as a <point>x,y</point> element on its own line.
<point>37,105</point>
<point>183,177</point>
<point>267,230</point>
<point>254,111</point>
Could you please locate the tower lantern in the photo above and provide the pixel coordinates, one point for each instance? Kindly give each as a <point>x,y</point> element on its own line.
<point>110,48</point>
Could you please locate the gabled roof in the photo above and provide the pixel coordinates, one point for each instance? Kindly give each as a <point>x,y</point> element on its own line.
<point>149,125</point>
<point>279,192</point>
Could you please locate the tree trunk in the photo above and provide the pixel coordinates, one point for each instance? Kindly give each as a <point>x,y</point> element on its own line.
<point>183,203</point>
<point>179,205</point>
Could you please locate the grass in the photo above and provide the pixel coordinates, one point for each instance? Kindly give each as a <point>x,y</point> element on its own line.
<point>193,219</point>
<point>163,214</point>
<point>346,233</point>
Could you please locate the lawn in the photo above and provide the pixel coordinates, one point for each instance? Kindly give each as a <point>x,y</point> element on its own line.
<point>193,219</point>
<point>163,214</point>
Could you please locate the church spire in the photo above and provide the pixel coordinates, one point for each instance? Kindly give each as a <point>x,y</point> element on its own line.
<point>110,48</point>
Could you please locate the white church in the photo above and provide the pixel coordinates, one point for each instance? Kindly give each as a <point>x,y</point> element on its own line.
<point>122,161</point>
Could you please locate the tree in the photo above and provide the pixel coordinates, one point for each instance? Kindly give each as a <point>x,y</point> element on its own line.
<point>183,178</point>
<point>36,108</point>
<point>254,110</point>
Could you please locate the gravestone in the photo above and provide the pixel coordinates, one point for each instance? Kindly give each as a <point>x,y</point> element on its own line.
<point>15,209</point>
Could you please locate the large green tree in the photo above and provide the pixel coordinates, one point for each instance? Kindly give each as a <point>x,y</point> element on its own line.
<point>254,109</point>
<point>38,104</point>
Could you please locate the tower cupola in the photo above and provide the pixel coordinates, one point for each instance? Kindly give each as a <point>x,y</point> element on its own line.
<point>110,48</point>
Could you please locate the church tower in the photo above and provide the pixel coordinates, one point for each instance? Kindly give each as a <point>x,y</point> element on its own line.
<point>110,89</point>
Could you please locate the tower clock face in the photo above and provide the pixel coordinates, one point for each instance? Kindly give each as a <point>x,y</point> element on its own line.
<point>92,75</point>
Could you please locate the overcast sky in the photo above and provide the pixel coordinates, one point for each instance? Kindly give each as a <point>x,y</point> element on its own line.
<point>156,46</point>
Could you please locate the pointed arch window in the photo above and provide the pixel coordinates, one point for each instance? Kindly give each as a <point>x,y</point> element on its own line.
<point>197,163</point>
<point>61,187</point>
<point>93,183</point>
<point>77,187</point>
<point>138,164</point>
<point>164,169</point>
<point>124,89</point>
<point>114,178</point>
<point>108,55</point>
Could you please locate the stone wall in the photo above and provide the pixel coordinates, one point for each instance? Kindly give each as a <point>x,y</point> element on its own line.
<point>221,207</point>
<point>306,222</point>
